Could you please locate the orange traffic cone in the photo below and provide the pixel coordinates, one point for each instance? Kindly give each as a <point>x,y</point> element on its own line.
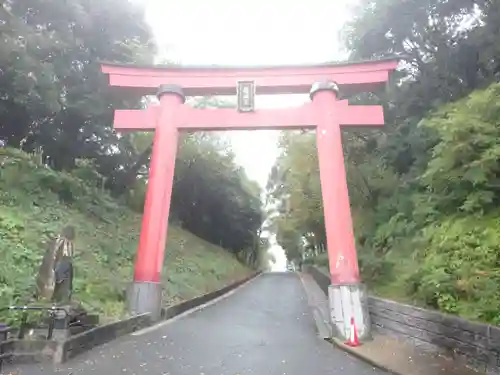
<point>353,337</point>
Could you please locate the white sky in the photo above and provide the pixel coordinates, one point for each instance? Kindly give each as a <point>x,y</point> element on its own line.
<point>232,32</point>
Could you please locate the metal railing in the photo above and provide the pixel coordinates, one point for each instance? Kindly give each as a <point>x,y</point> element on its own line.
<point>52,310</point>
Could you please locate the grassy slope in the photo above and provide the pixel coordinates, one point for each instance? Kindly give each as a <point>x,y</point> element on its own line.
<point>35,203</point>
<point>395,286</point>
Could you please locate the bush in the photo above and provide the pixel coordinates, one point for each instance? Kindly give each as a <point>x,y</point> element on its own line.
<point>460,268</point>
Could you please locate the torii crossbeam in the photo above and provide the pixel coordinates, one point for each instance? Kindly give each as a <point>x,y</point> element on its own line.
<point>325,113</point>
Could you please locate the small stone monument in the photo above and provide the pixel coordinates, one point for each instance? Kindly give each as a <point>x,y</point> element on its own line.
<point>55,275</point>
<point>55,279</point>
<point>63,270</point>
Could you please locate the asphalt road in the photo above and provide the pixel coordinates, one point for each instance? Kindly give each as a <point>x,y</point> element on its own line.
<point>264,328</point>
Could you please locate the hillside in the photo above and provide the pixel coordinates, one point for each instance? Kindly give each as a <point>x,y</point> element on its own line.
<point>36,202</point>
<point>424,189</point>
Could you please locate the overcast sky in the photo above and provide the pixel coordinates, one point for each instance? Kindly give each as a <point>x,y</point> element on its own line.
<point>253,32</point>
<point>250,32</point>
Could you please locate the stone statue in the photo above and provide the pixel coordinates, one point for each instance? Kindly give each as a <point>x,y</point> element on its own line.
<point>55,276</point>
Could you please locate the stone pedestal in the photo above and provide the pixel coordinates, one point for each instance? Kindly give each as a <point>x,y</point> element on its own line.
<point>346,302</point>
<point>145,297</point>
<point>61,323</point>
<point>4,332</point>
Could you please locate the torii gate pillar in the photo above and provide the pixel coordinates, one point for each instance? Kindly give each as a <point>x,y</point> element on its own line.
<point>145,293</point>
<point>346,294</point>
<point>325,113</point>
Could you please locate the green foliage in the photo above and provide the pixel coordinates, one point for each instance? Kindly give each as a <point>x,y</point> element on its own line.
<point>212,196</point>
<point>56,105</point>
<point>295,192</point>
<point>459,267</point>
<point>463,174</point>
<point>54,96</point>
<point>424,191</point>
<point>35,205</point>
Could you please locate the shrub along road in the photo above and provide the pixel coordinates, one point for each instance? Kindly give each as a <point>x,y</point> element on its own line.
<point>265,327</point>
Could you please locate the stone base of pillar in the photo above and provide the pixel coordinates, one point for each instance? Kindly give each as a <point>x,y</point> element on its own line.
<point>346,302</point>
<point>145,297</point>
<point>61,324</point>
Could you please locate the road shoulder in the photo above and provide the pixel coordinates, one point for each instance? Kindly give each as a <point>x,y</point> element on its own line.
<point>384,352</point>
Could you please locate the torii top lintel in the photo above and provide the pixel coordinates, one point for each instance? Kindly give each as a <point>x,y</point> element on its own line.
<point>351,77</point>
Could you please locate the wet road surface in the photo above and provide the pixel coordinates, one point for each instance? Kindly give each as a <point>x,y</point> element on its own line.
<point>264,328</point>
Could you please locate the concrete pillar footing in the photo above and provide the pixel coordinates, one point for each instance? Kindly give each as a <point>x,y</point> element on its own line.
<point>145,297</point>
<point>349,301</point>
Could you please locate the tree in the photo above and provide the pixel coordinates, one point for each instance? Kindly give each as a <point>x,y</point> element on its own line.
<point>55,49</point>
<point>212,196</point>
<point>423,190</point>
<point>294,188</point>
<point>56,103</point>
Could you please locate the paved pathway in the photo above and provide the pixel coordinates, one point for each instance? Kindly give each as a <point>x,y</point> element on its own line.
<point>264,328</point>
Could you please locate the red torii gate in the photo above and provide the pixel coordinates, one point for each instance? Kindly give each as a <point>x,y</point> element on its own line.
<point>325,113</point>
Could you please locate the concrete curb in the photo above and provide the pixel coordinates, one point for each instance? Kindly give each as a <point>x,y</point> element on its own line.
<point>175,310</point>
<point>339,344</point>
<point>321,328</point>
<point>61,352</point>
